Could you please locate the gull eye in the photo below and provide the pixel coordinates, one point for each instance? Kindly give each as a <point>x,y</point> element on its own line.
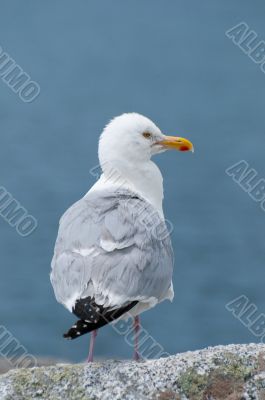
<point>147,135</point>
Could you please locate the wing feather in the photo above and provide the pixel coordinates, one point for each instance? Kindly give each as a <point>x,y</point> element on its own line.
<point>108,247</point>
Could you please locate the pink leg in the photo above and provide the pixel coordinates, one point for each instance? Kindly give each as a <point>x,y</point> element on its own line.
<point>92,345</point>
<point>136,343</point>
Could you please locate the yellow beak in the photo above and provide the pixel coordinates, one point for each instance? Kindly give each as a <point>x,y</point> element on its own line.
<point>177,143</point>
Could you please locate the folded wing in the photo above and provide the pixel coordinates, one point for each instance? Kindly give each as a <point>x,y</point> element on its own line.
<point>114,247</point>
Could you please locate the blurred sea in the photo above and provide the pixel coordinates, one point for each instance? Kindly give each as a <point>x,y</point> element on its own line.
<point>172,62</point>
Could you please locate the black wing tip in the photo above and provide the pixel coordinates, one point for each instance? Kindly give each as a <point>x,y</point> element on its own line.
<point>93,316</point>
<point>78,329</point>
<point>69,335</point>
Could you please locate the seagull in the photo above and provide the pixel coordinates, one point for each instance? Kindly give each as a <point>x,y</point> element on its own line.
<point>113,255</point>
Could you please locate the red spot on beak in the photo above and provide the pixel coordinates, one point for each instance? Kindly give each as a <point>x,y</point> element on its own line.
<point>184,148</point>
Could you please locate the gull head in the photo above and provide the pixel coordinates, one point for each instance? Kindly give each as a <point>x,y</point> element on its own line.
<point>134,138</point>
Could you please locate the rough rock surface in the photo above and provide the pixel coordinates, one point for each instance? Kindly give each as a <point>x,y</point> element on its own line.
<point>5,365</point>
<point>233,372</point>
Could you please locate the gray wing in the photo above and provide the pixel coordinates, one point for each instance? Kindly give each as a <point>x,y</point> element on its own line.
<point>114,247</point>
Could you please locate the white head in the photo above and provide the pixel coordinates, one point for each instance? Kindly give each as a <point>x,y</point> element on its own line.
<point>135,138</point>
<point>125,149</point>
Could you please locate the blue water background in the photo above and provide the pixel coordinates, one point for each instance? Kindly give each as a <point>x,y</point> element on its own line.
<point>172,62</point>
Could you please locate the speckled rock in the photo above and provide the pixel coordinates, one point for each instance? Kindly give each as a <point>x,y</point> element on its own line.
<point>5,365</point>
<point>234,372</point>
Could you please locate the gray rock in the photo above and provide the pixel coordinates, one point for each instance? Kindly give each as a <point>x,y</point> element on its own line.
<point>233,372</point>
<point>5,365</point>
